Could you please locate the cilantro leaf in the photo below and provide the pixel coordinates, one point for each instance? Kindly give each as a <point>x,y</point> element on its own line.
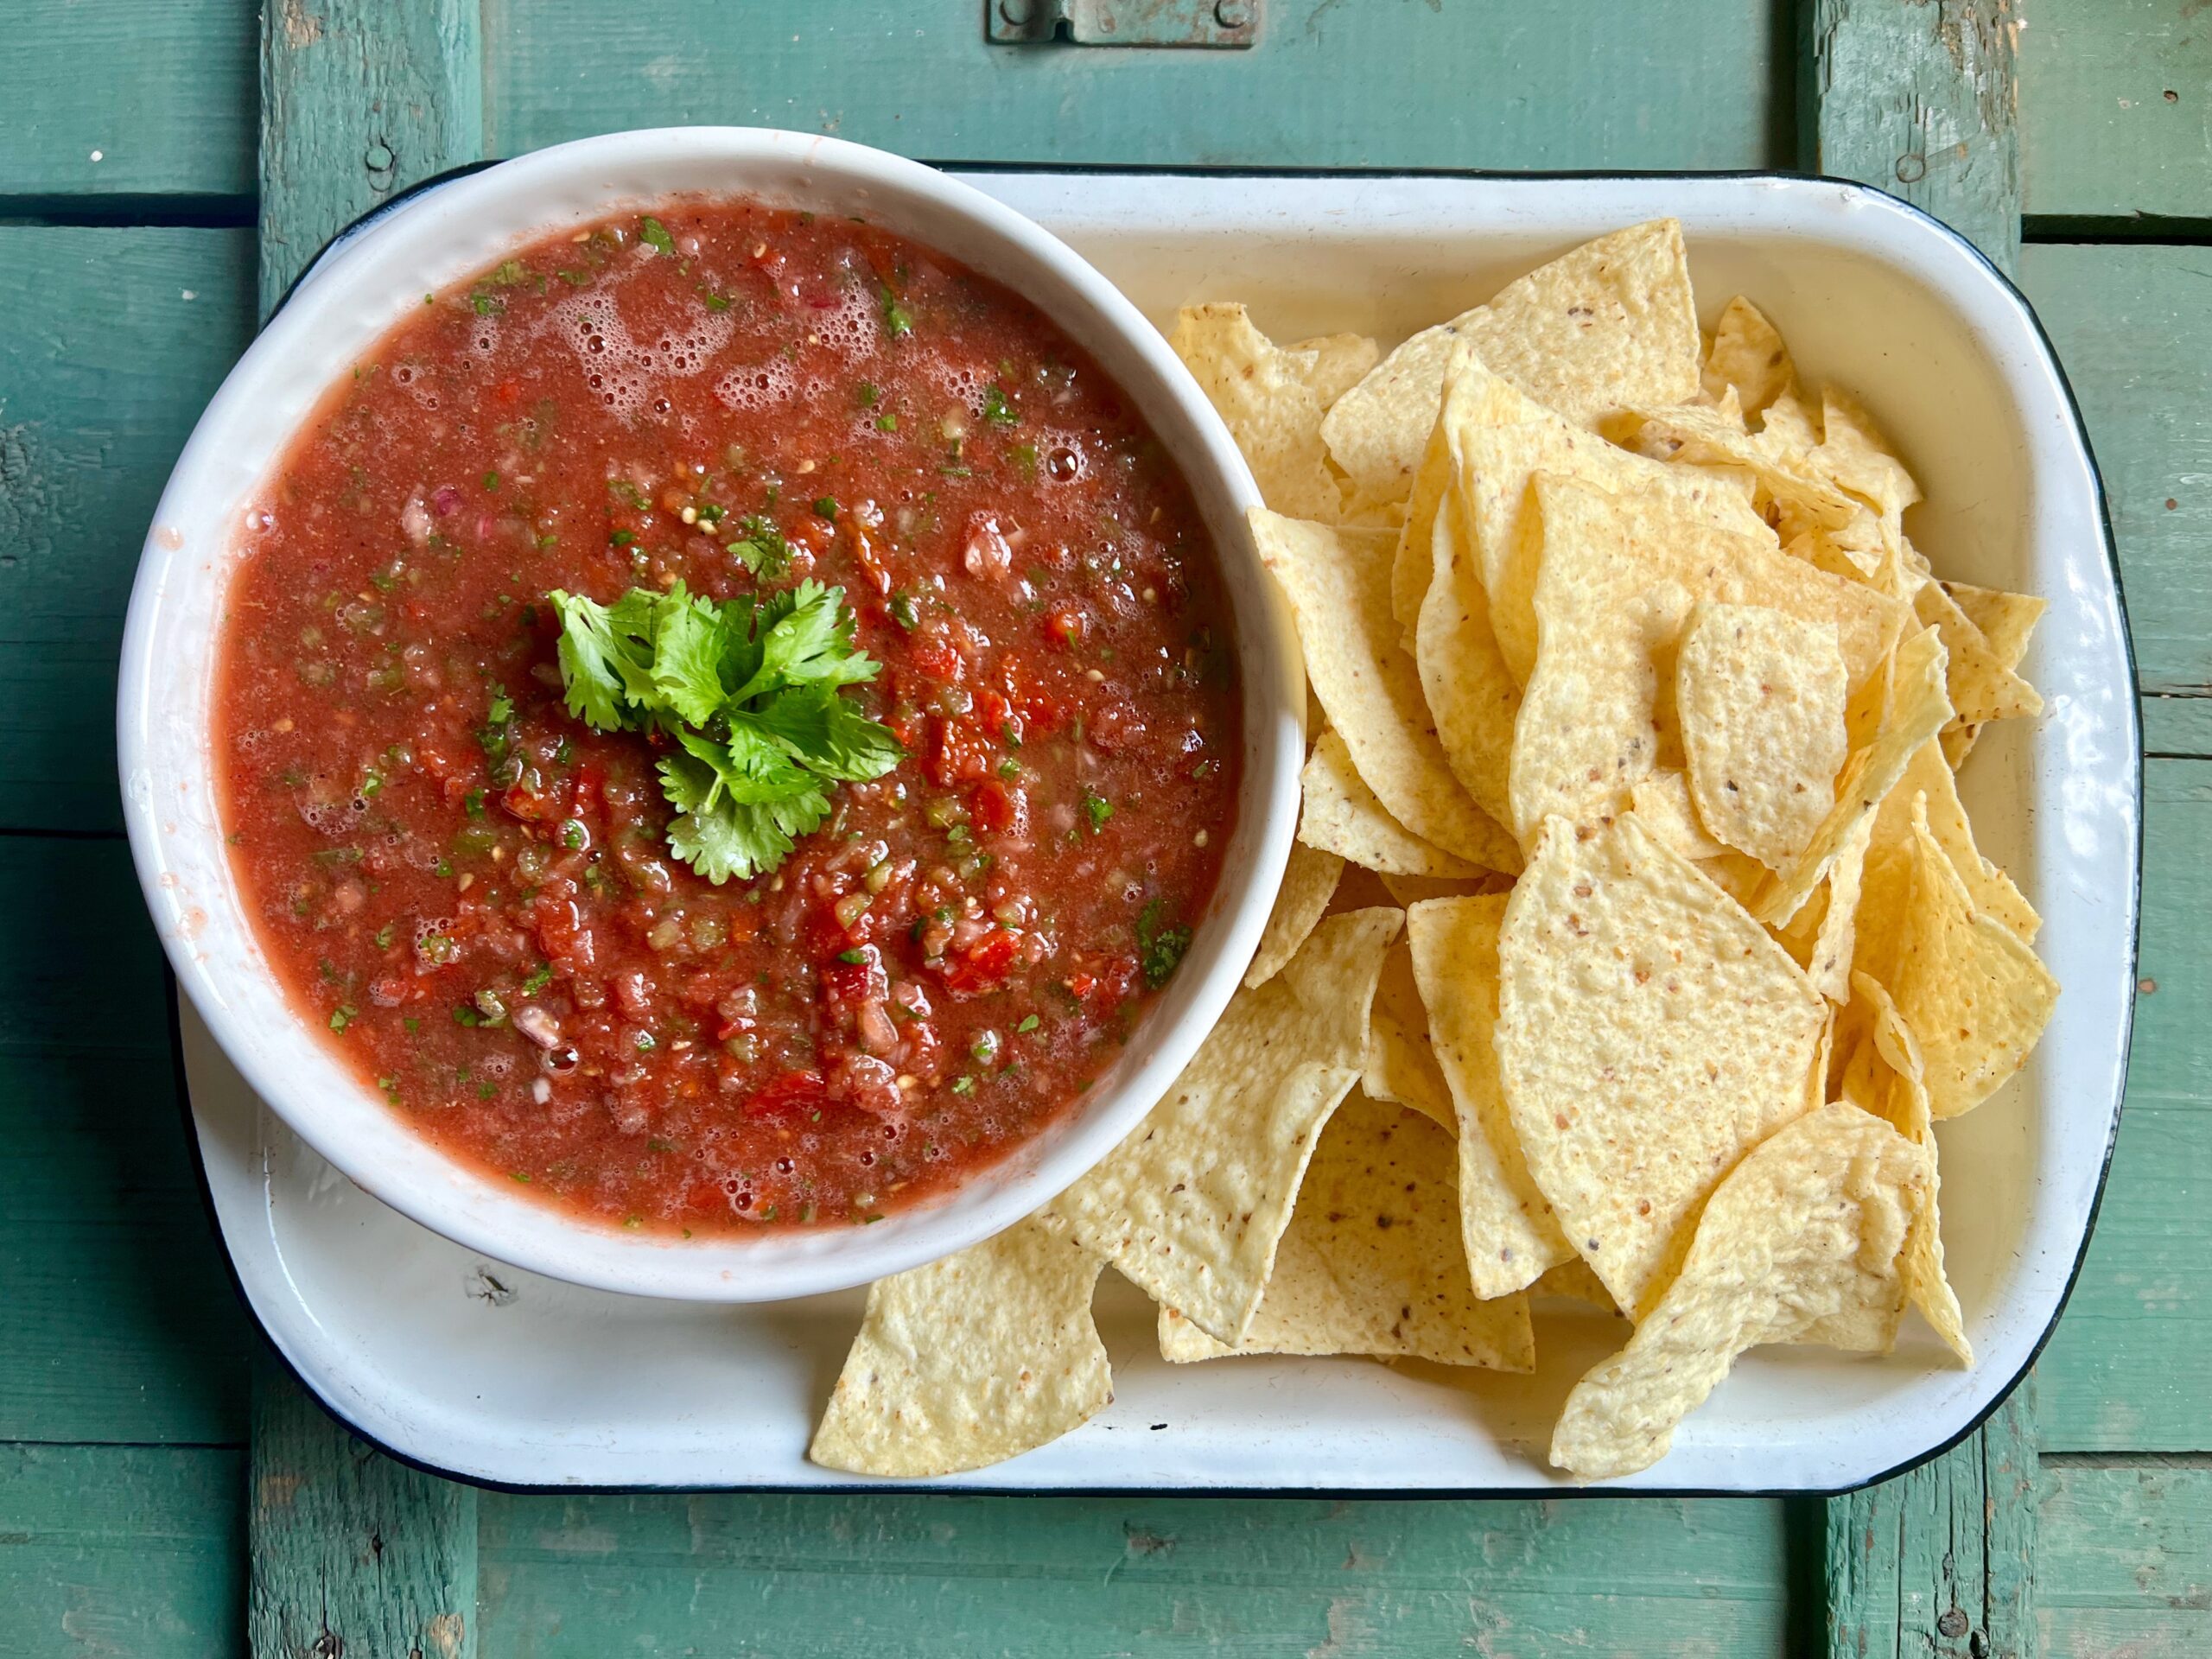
<point>600,669</point>
<point>748,690</point>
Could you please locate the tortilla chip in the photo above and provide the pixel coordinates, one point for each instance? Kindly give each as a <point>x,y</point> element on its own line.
<point>1509,1233</point>
<point>1502,441</point>
<point>1401,1065</point>
<point>1341,816</point>
<point>1649,1033</point>
<point>1191,1206</point>
<point>1854,456</point>
<point>1982,687</point>
<point>1699,437</point>
<point>1889,865</point>
<point>1823,936</point>
<point>1272,398</point>
<point>1471,691</point>
<point>1618,578</point>
<point>2007,621</point>
<point>1609,323</point>
<point>1338,581</point>
<point>1975,994</point>
<point>1789,433</point>
<point>1370,1263</point>
<point>969,1361</point>
<point>1917,708</point>
<point>1416,553</point>
<point>1340,362</point>
<point>1807,1235</point>
<point>1760,697</point>
<point>1748,357</point>
<point>1309,881</point>
<point>1902,1100</point>
<point>1575,1281</point>
<point>1663,801</point>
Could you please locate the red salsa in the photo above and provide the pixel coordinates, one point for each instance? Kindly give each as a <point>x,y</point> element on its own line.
<point>489,895</point>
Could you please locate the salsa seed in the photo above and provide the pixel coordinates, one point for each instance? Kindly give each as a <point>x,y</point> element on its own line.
<point>1094,677</point>
<point>1198,840</point>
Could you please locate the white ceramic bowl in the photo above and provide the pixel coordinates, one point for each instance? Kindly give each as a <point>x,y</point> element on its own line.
<point>165,702</point>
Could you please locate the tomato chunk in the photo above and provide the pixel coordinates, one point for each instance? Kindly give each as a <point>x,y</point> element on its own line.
<point>795,1094</point>
<point>982,966</point>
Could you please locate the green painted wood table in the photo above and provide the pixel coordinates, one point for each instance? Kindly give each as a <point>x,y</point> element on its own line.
<point>166,166</point>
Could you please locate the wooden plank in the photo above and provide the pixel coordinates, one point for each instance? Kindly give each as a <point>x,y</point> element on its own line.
<point>118,98</point>
<point>110,341</point>
<point>1917,99</point>
<point>121,1550</point>
<point>2133,327</point>
<point>351,1552</point>
<point>2126,1565</point>
<point>1043,1578</point>
<point>1940,1561</point>
<point>359,98</point>
<point>1571,83</point>
<point>2127,1368</point>
<point>2116,109</point>
<point>121,1322</point>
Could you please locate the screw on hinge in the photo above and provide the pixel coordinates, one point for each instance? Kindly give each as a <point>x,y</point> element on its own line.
<point>1953,1624</point>
<point>1232,13</point>
<point>1017,13</point>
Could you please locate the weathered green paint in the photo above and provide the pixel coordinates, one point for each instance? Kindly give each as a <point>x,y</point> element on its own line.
<point>2133,327</point>
<point>1941,1561</point>
<point>359,98</point>
<point>1915,96</point>
<point>1072,1577</point>
<point>1331,82</point>
<point>2126,1564</point>
<point>351,1550</point>
<point>109,98</point>
<point>118,1327</point>
<point>1918,99</point>
<point>120,1323</point>
<point>351,1553</point>
<point>111,342</point>
<point>2116,109</point>
<point>122,1552</point>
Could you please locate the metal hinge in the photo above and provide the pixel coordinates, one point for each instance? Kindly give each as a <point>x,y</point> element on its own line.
<point>1124,23</point>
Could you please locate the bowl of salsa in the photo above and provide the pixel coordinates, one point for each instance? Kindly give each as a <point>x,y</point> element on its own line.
<point>699,716</point>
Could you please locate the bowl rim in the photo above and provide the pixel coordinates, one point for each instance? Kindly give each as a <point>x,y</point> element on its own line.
<point>358,1132</point>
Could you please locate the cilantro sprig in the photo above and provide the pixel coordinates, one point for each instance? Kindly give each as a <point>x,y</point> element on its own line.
<point>748,689</point>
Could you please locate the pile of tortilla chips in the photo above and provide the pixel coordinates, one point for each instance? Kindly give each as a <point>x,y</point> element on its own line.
<point>1645,712</point>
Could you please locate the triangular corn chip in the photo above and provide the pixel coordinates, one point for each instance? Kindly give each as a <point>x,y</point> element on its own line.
<point>1370,1262</point>
<point>1975,994</point>
<point>1904,1104</point>
<point>1649,1033</point>
<point>1272,398</point>
<point>1807,1235</point>
<point>1309,880</point>
<point>1190,1207</point>
<point>1507,1226</point>
<point>1340,814</point>
<point>1338,581</point>
<point>1760,697</point>
<point>1610,323</point>
<point>969,1361</point>
<point>1747,358</point>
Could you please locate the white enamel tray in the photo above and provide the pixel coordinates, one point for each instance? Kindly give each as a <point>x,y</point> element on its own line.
<point>458,1362</point>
